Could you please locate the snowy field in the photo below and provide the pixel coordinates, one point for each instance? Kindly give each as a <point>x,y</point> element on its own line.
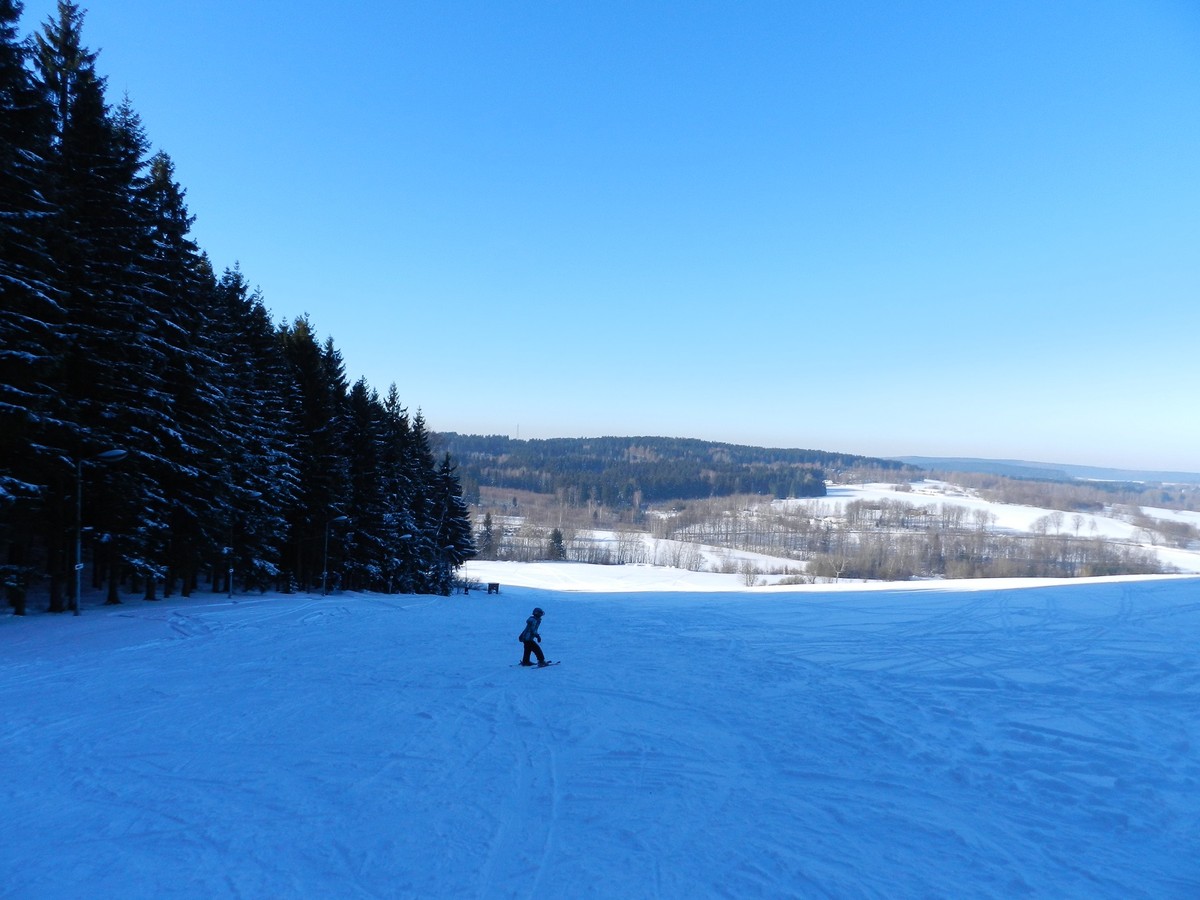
<point>957,740</point>
<point>1012,518</point>
<point>1116,524</point>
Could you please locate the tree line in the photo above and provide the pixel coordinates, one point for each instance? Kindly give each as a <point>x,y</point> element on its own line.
<point>157,430</point>
<point>1073,495</point>
<point>627,472</point>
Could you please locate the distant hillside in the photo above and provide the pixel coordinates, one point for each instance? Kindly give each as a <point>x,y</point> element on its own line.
<point>1015,468</point>
<point>621,471</point>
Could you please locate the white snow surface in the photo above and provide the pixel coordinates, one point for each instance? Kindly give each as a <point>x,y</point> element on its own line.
<point>700,739</point>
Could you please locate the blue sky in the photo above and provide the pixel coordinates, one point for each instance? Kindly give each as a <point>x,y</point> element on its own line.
<point>939,228</point>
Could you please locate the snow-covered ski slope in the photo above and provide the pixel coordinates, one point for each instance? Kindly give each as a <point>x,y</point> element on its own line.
<point>946,740</point>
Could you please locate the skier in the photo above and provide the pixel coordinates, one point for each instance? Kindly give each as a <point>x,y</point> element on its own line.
<point>530,638</point>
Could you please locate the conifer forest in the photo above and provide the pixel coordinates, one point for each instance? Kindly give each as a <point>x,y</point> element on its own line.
<point>159,433</point>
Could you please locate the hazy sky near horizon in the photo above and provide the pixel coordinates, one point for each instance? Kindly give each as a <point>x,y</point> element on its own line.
<point>943,228</point>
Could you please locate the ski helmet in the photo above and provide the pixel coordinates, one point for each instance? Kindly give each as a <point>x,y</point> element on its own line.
<point>537,611</point>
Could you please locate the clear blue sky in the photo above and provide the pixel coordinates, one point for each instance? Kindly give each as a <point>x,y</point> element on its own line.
<point>936,228</point>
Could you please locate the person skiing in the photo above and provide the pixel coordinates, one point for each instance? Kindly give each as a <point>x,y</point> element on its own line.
<point>531,639</point>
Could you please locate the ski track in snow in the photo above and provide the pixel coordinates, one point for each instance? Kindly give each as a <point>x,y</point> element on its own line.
<point>1034,742</point>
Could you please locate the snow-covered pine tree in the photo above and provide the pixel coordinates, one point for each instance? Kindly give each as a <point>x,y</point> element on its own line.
<point>455,543</point>
<point>421,472</point>
<point>180,292</point>
<point>256,428</point>
<point>29,312</point>
<point>83,239</point>
<point>441,545</point>
<point>132,284</point>
<point>323,476</point>
<point>365,545</point>
<point>401,565</point>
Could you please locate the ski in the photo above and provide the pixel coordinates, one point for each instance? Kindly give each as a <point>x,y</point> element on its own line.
<point>549,663</point>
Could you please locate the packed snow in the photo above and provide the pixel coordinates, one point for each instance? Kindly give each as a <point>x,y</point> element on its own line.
<point>700,739</point>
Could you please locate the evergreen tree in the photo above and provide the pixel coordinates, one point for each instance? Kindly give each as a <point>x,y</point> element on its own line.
<point>256,430</point>
<point>81,155</point>
<point>401,565</point>
<point>556,550</point>
<point>366,546</point>
<point>323,477</point>
<point>132,285</point>
<point>120,313</point>
<point>29,311</point>
<point>179,289</point>
<point>453,542</point>
<point>486,543</point>
<point>420,471</point>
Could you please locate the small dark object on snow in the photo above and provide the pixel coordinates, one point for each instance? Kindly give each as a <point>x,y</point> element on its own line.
<point>493,587</point>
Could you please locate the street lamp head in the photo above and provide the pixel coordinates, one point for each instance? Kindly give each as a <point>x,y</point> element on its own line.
<point>325,563</point>
<point>116,454</point>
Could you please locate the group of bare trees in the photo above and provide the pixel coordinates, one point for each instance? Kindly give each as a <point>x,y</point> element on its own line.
<point>897,540</point>
<point>890,539</point>
<point>1075,496</point>
<point>979,553</point>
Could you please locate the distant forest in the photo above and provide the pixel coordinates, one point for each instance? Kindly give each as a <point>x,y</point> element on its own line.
<point>617,472</point>
<point>158,432</point>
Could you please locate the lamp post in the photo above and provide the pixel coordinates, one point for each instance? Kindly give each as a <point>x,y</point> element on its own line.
<point>249,495</point>
<point>325,564</point>
<point>108,457</point>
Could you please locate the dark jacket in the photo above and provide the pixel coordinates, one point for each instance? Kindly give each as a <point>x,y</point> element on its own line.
<point>531,629</point>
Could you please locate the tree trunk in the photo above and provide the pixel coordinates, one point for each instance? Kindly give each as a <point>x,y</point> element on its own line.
<point>114,593</point>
